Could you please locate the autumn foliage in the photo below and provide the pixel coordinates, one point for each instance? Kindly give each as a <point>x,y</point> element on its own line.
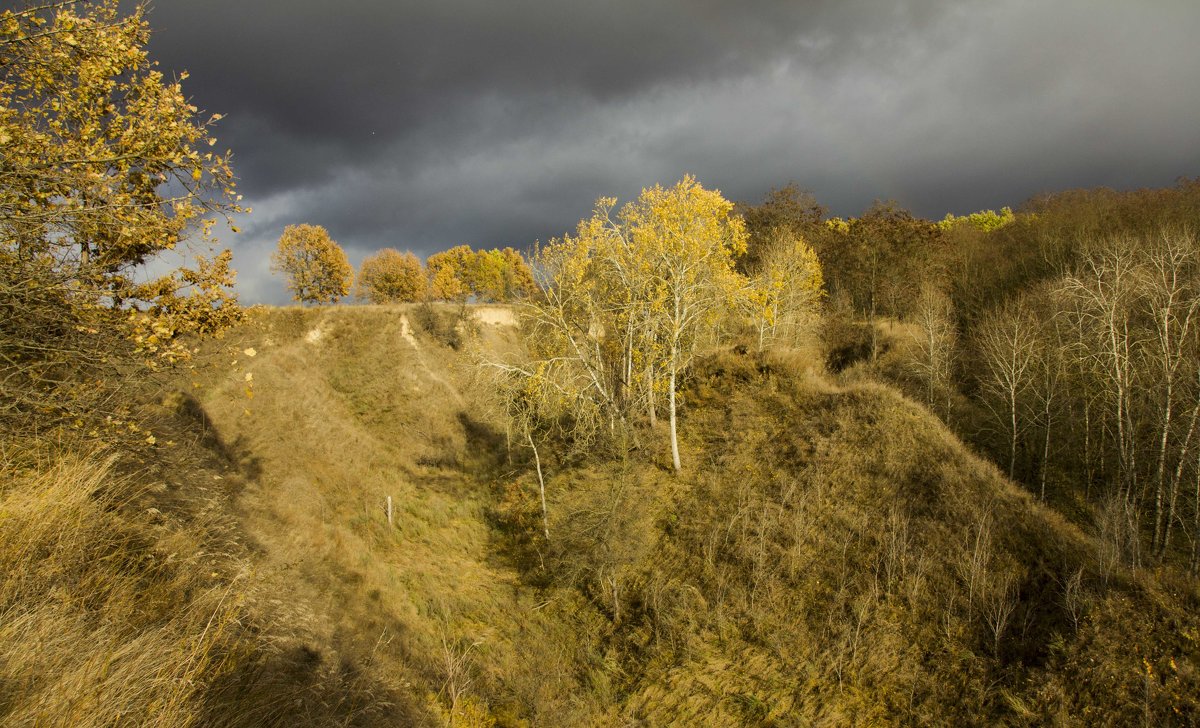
<point>638,292</point>
<point>449,273</point>
<point>494,276</point>
<point>316,266</point>
<point>318,272</point>
<point>390,276</point>
<point>105,166</point>
<point>786,289</point>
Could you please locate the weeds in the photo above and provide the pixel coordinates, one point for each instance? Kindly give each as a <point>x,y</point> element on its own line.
<point>834,555</point>
<point>131,623</point>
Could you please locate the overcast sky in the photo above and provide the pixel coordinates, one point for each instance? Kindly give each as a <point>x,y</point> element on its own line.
<point>422,125</point>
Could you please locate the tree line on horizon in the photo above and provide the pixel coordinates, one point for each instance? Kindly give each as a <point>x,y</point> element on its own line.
<point>318,272</point>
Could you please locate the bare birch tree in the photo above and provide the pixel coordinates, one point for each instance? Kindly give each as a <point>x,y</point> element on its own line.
<point>937,345</point>
<point>1106,288</point>
<point>1172,296</point>
<point>1007,342</point>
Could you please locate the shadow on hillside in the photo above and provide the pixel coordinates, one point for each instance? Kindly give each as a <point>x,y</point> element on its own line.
<point>236,455</point>
<point>298,686</point>
<point>486,447</point>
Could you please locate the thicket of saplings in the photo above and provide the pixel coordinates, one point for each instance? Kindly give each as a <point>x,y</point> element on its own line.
<point>1061,340</point>
<point>839,534</point>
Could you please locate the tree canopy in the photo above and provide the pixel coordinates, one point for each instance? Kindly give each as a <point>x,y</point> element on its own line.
<point>786,287</point>
<point>316,266</point>
<point>390,276</point>
<point>788,208</point>
<point>629,299</point>
<point>105,167</point>
<point>495,276</point>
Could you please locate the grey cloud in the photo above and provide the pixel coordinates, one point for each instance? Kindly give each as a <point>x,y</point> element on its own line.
<point>424,125</point>
<point>311,72</point>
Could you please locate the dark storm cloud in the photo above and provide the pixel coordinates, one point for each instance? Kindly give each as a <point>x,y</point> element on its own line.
<point>311,72</point>
<point>425,125</point>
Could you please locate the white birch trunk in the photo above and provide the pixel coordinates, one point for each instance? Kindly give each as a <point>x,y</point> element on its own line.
<point>674,437</point>
<point>541,483</point>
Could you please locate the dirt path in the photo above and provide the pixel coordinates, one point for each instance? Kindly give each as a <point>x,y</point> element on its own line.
<point>406,333</point>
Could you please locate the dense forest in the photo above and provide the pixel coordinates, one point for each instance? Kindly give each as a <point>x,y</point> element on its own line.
<point>691,463</point>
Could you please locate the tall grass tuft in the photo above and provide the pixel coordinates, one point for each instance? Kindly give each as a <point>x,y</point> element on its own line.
<point>106,618</point>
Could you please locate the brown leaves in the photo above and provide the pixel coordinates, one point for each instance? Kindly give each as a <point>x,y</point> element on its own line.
<point>390,276</point>
<point>316,266</point>
<point>99,175</point>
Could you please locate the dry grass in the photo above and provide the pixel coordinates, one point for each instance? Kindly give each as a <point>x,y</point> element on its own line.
<point>371,407</point>
<point>836,556</point>
<point>109,619</point>
<point>832,555</point>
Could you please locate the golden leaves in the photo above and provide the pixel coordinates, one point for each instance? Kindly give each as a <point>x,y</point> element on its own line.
<point>984,220</point>
<point>627,300</point>
<point>784,293</point>
<point>445,284</point>
<point>390,276</point>
<point>316,266</point>
<point>97,133</point>
<point>498,275</point>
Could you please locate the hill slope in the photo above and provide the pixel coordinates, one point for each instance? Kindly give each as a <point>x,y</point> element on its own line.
<point>349,407</point>
<point>836,556</point>
<point>830,556</point>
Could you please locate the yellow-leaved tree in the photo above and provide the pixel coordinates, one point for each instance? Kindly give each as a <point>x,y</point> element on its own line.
<point>786,287</point>
<point>316,266</point>
<point>500,276</point>
<point>104,166</point>
<point>516,278</point>
<point>496,275</point>
<point>984,220</point>
<point>448,273</point>
<point>390,276</point>
<point>628,301</point>
<point>688,239</point>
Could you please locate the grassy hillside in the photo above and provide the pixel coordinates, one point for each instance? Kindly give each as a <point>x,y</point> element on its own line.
<point>831,555</point>
<point>349,407</point>
<point>838,557</point>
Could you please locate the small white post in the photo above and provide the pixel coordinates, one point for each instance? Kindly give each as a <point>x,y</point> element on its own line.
<point>389,509</point>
